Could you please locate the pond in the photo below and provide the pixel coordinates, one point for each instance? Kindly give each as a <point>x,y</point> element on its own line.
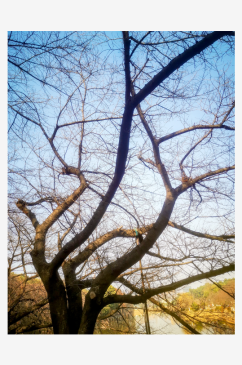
<point>159,325</point>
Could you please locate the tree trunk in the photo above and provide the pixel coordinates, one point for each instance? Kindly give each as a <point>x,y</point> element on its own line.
<point>89,316</point>
<point>58,304</point>
<point>74,308</point>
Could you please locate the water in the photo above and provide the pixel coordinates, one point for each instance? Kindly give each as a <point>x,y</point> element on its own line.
<point>159,325</point>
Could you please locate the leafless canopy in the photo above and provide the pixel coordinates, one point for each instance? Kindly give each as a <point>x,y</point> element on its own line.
<point>114,136</point>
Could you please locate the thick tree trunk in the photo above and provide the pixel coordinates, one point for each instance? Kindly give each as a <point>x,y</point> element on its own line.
<point>88,324</point>
<point>89,316</point>
<point>58,304</point>
<point>74,308</point>
<point>74,295</point>
<point>54,286</point>
<point>74,311</point>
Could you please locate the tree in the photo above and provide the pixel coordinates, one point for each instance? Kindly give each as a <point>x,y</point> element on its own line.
<point>199,310</point>
<point>27,306</point>
<point>28,310</point>
<point>104,128</point>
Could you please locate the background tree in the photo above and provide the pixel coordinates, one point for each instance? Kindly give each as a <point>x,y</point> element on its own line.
<point>208,309</point>
<point>112,135</point>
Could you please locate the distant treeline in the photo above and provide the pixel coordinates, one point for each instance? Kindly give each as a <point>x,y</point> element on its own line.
<point>220,294</point>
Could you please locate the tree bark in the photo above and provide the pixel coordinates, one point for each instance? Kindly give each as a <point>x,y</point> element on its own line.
<point>90,313</point>
<point>58,304</point>
<point>74,298</point>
